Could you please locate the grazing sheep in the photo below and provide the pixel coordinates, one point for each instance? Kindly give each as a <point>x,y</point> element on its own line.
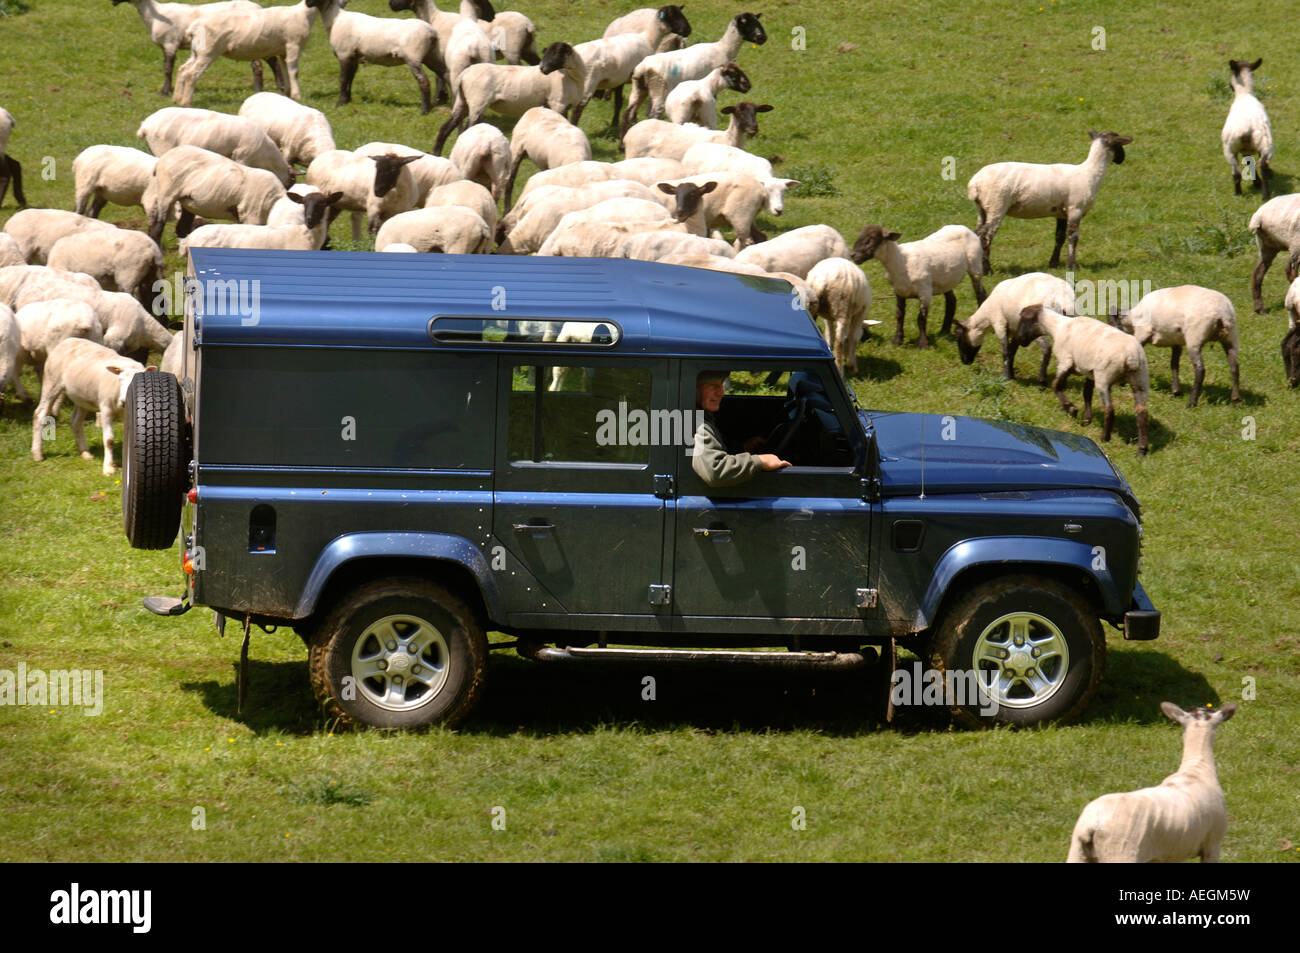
<point>302,133</point>
<point>1000,312</point>
<point>376,187</point>
<point>40,280</point>
<point>1247,130</point>
<point>668,140</point>
<point>482,154</point>
<point>37,229</point>
<point>796,251</point>
<point>43,324</point>
<point>738,199</point>
<point>128,328</point>
<point>547,138</point>
<point>1030,190</point>
<point>536,216</point>
<point>231,136</point>
<point>1276,227</point>
<point>120,260</point>
<point>1187,316</point>
<point>696,100</point>
<point>116,174</point>
<point>570,176</point>
<point>656,246</point>
<point>841,296</point>
<point>94,378</point>
<point>9,166</point>
<point>1092,348</point>
<point>1291,303</point>
<point>168,24</point>
<point>307,206</point>
<point>11,252</point>
<point>274,237</point>
<point>1184,816</point>
<point>657,75</point>
<point>1291,357</point>
<point>271,34</point>
<point>357,38</point>
<point>712,263</point>
<point>598,239</point>
<point>465,194</point>
<point>210,185</point>
<point>649,170</point>
<point>449,229</point>
<point>428,171</point>
<point>933,265</point>
<point>11,345</point>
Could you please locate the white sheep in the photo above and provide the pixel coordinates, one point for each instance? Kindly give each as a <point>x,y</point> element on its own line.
<point>718,157</point>
<point>302,133</point>
<point>401,247</point>
<point>307,206</point>
<point>649,170</point>
<point>16,280</point>
<point>597,232</point>
<point>120,260</point>
<point>796,251</point>
<point>1291,303</point>
<point>128,328</point>
<point>738,199</point>
<point>374,187</point>
<point>210,185</point>
<point>1184,816</point>
<point>465,194</point>
<point>357,38</point>
<point>655,77</point>
<point>37,229</point>
<point>444,24</point>
<point>657,245</point>
<point>11,346</point>
<point>11,253</point>
<point>173,359</point>
<point>104,174</point>
<point>271,33</point>
<point>1105,355</point>
<point>1000,313</point>
<point>1276,227</point>
<point>921,269</point>
<point>94,378</point>
<point>1029,190</point>
<point>9,166</point>
<point>547,138</point>
<point>669,18</point>
<point>841,296</point>
<point>570,176</point>
<point>611,60</point>
<point>43,324</point>
<point>482,154</point>
<point>513,35</point>
<point>450,229</point>
<point>1186,316</point>
<point>696,100</point>
<point>168,22</point>
<point>271,237</point>
<point>669,140</point>
<point>1247,129</point>
<point>529,223</point>
<point>428,171</point>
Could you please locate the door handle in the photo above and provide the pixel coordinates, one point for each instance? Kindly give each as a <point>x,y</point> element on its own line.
<point>533,527</point>
<point>722,535</point>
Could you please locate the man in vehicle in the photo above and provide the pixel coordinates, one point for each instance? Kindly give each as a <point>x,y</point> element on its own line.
<point>711,460</point>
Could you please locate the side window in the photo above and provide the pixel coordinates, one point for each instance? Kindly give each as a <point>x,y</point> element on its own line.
<point>576,414</point>
<point>786,412</point>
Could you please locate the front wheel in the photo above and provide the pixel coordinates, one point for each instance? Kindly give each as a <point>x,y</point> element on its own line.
<point>1032,646</point>
<point>398,653</point>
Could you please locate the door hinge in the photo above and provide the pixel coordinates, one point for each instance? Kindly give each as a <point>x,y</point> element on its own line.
<point>665,488</point>
<point>660,594</point>
<point>867,598</point>
<point>871,489</point>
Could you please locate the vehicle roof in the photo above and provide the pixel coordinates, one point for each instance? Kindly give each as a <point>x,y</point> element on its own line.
<point>368,299</point>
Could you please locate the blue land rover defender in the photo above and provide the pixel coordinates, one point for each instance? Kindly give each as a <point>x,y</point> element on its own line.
<point>396,454</point>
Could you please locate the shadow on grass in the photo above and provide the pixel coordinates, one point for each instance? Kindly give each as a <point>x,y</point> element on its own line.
<point>1137,682</point>
<point>876,370</point>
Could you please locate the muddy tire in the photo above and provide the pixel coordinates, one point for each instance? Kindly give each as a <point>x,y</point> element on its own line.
<point>398,653</point>
<point>154,460</point>
<point>1035,645</point>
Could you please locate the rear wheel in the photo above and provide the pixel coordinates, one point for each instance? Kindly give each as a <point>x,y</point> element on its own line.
<point>154,460</point>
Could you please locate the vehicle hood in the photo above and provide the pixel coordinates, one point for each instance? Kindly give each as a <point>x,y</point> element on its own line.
<point>969,454</point>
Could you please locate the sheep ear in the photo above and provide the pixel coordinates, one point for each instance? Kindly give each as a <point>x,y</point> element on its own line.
<point>665,187</point>
<point>295,197</point>
<point>113,369</point>
<point>1255,65</point>
<point>728,110</point>
<point>1173,712</point>
<point>334,197</point>
<point>1223,714</point>
<point>791,183</point>
<point>763,109</point>
<point>1093,134</point>
<point>892,236</point>
<point>407,160</point>
<point>1030,313</point>
<point>708,187</point>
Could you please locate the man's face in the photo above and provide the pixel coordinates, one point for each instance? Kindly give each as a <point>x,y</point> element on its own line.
<point>708,394</point>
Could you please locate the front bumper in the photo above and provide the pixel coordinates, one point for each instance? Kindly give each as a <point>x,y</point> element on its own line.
<point>1142,620</point>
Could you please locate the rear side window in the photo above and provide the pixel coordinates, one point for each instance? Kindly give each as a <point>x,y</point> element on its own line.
<point>576,414</point>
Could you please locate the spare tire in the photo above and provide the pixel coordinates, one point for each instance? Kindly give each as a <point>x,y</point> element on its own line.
<point>153,460</point>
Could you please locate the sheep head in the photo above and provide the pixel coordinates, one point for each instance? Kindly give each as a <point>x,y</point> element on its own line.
<point>1204,716</point>
<point>1291,356</point>
<point>749,27</point>
<point>1113,141</point>
<point>869,241</point>
<point>1242,74</point>
<point>689,197</point>
<point>1030,328</point>
<point>967,347</point>
<point>387,169</point>
<point>315,205</point>
<point>746,114</point>
<point>735,78</point>
<point>1120,319</point>
<point>672,17</point>
<point>556,57</point>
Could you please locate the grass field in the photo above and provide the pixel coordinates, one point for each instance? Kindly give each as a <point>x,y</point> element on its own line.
<point>877,107</point>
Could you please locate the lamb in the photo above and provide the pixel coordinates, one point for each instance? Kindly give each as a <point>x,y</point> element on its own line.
<point>210,185</point>
<point>1276,227</point>
<point>696,100</point>
<point>116,174</point>
<point>1291,357</point>
<point>9,166</point>
<point>1000,312</point>
<point>43,324</point>
<point>1247,130</point>
<point>450,229</point>
<point>1187,316</point>
<point>547,138</point>
<point>796,251</point>
<point>37,229</point>
<point>357,38</point>
<point>10,252</point>
<point>427,171</point>
<point>94,378</point>
<point>656,246</point>
<point>1092,348</point>
<point>271,34</point>
<point>120,260</point>
<point>738,199</point>
<point>377,187</point>
<point>1185,815</point>
<point>275,237</point>
<point>841,296</point>
<point>668,140</point>
<point>232,136</point>
<point>530,222</point>
<point>1029,190</point>
<point>921,269</point>
<point>656,75</point>
<point>307,206</point>
<point>302,133</point>
<point>482,154</point>
<point>465,194</point>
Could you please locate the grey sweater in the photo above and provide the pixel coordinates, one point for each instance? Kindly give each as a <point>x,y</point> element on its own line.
<point>713,464</point>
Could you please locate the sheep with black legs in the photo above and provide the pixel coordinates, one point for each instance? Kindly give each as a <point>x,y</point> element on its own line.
<point>234,137</point>
<point>1031,190</point>
<point>1246,131</point>
<point>482,154</point>
<point>302,133</point>
<point>373,187</point>
<point>357,38</point>
<point>1276,227</point>
<point>1291,357</point>
<point>120,259</point>
<point>670,17</point>
<point>1000,313</point>
<point>204,183</point>
<point>612,59</point>
<point>696,100</point>
<point>10,169</point>
<point>670,140</point>
<point>549,140</point>
<point>168,25</point>
<point>271,34</point>
<point>116,174</point>
<point>427,171</point>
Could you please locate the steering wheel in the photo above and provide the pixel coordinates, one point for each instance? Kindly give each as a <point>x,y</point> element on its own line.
<point>784,435</point>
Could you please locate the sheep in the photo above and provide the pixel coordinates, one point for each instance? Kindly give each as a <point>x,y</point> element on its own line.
<point>1291,357</point>
<point>18,280</point>
<point>841,296</point>
<point>547,138</point>
<point>573,175</point>
<point>1187,316</point>
<point>468,195</point>
<point>611,59</point>
<point>738,199</point>
<point>10,355</point>
<point>302,133</point>
<point>120,260</point>
<point>276,237</point>
<point>210,185</point>
<point>717,157</point>
<point>668,140</point>
<point>530,222</point>
<point>401,247</point>
<point>920,269</point>
<point>377,187</point>
<point>427,171</point>
<point>1247,130</point>
<point>1030,190</point>
<point>1000,311</point>
<point>696,100</point>
<point>649,170</point>
<point>11,252</point>
<point>669,18</point>
<point>1276,227</point>
<point>168,24</point>
<point>450,229</point>
<point>43,324</point>
<point>173,359</point>
<point>598,239</point>
<point>796,251</point>
<point>128,328</point>
<point>513,35</point>
<point>307,206</point>
<point>656,246</point>
<point>1185,815</point>
<point>9,166</point>
<point>37,229</point>
<point>514,90</point>
<point>271,34</point>
<point>482,154</point>
<point>116,174</point>
<point>94,378</point>
<point>655,77</point>
<point>357,38</point>
<point>445,25</point>
<point>1104,354</point>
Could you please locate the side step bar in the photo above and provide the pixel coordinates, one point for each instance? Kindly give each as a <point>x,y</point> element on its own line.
<point>822,661</point>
